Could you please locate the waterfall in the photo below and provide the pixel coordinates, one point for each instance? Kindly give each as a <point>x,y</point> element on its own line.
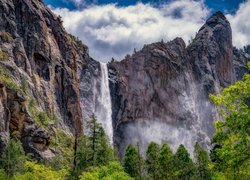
<point>95,96</point>
<point>103,108</point>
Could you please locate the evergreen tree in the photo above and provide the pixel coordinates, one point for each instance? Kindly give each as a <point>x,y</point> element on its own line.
<point>93,137</point>
<point>100,151</point>
<point>202,162</point>
<point>152,156</point>
<point>166,166</point>
<point>105,153</point>
<point>93,149</point>
<point>132,161</point>
<point>184,164</point>
<point>82,155</point>
<point>13,158</point>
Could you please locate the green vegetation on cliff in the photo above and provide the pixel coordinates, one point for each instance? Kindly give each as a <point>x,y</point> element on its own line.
<point>231,153</point>
<point>90,157</point>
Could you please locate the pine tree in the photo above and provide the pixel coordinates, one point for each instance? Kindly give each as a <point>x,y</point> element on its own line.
<point>105,153</point>
<point>93,137</point>
<point>184,165</point>
<point>166,167</point>
<point>100,150</point>
<point>93,149</point>
<point>202,162</point>
<point>152,156</point>
<point>82,155</point>
<point>132,161</point>
<point>13,158</point>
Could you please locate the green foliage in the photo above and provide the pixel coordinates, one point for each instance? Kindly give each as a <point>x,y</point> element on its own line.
<point>231,155</point>
<point>77,41</point>
<point>132,162</point>
<point>3,174</point>
<point>64,143</point>
<point>6,37</point>
<point>24,86</point>
<point>93,149</point>
<point>42,118</point>
<point>13,158</point>
<point>3,56</point>
<point>202,163</point>
<point>34,171</point>
<point>112,171</point>
<point>166,160</point>
<point>104,152</point>
<point>152,164</point>
<point>7,79</point>
<point>184,165</point>
<point>82,156</point>
<point>100,150</point>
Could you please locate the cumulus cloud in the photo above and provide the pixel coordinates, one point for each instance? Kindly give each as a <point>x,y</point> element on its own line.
<point>241,25</point>
<point>114,31</point>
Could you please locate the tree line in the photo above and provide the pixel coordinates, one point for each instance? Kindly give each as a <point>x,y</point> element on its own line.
<point>162,163</point>
<point>93,158</point>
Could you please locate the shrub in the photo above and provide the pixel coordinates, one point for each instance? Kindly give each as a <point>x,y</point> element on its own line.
<point>111,171</point>
<point>33,170</point>
<point>24,86</point>
<point>6,37</point>
<point>7,79</point>
<point>77,41</point>
<point>3,174</point>
<point>64,143</point>
<point>42,118</point>
<point>3,55</point>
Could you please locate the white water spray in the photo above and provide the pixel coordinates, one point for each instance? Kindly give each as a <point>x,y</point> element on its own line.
<point>95,97</point>
<point>103,109</point>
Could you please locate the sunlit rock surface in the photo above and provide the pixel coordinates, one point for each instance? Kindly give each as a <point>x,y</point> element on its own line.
<point>160,93</point>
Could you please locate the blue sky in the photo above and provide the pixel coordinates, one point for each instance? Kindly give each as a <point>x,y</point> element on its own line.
<point>214,5</point>
<point>114,30</point>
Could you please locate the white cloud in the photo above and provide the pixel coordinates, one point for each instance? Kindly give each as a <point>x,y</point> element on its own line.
<point>113,31</point>
<point>240,23</point>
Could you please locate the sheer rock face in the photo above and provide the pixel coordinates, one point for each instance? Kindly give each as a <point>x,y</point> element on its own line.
<point>4,118</point>
<point>42,53</point>
<point>240,62</point>
<point>161,92</point>
<point>158,94</point>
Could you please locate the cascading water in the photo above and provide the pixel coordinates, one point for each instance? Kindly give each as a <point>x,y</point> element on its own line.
<point>103,109</point>
<point>95,96</point>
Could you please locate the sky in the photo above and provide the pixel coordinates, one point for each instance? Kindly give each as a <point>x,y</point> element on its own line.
<point>114,28</point>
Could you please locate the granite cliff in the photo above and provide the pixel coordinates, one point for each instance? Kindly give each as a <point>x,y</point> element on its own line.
<point>38,55</point>
<point>160,93</point>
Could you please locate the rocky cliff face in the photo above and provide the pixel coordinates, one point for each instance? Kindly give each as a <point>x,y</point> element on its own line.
<point>161,92</point>
<point>240,61</point>
<point>45,59</point>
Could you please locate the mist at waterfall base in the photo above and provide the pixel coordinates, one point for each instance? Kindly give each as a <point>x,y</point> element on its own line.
<point>145,130</point>
<point>187,120</point>
<point>193,108</point>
